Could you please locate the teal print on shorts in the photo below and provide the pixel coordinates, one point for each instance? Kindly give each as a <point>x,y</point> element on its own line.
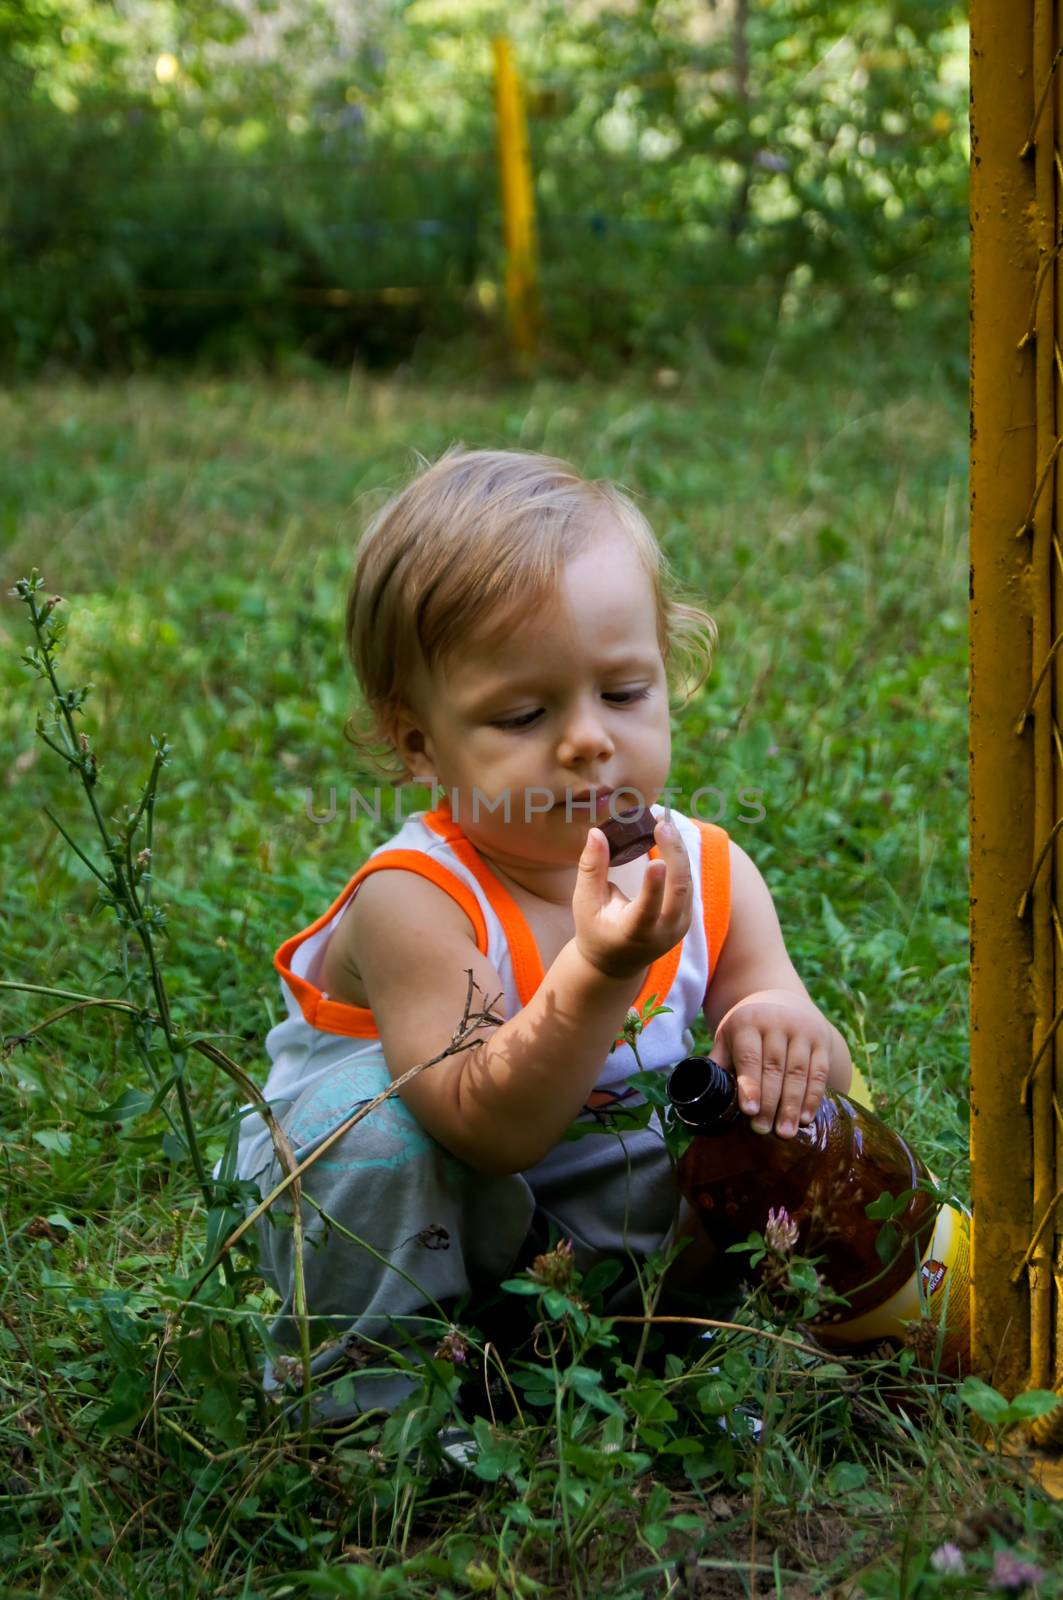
<point>390,1136</point>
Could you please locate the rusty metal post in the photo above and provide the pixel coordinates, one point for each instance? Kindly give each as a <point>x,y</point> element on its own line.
<point>1008,997</point>
<point>518,205</point>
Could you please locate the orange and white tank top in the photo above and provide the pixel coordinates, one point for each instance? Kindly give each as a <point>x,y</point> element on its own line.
<point>319,1032</point>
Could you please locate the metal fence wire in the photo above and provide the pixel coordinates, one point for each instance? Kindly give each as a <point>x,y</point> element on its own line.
<point>1017,700</point>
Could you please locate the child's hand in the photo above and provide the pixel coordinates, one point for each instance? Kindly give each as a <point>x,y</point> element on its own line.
<point>779,1046</point>
<point>620,936</point>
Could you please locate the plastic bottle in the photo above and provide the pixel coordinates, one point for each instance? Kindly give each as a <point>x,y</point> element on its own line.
<point>824,1178</point>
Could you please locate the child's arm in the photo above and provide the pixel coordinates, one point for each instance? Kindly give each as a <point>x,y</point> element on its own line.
<point>502,1105</point>
<point>782,1047</point>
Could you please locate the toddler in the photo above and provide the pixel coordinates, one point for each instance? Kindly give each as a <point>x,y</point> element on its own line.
<point>516,634</point>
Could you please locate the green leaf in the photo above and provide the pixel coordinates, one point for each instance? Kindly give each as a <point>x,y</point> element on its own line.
<point>537,1384</point>
<point>130,1103</point>
<point>1033,1403</point>
<point>623,1118</point>
<point>845,1476</point>
<point>887,1243</point>
<point>340,1583</point>
<point>173,1146</point>
<point>987,1403</point>
<point>803,1277</point>
<point>650,1404</point>
<point>218,1409</point>
<point>129,1397</point>
<point>53,1139</point>
<point>839,935</point>
<point>717,1397</point>
<point>496,1454</point>
<point>479,1577</point>
<point>590,1461</point>
<point>887,1206</point>
<point>588,1385</point>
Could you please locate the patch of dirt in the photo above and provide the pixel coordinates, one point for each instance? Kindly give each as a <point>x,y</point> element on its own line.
<point>806,1549</point>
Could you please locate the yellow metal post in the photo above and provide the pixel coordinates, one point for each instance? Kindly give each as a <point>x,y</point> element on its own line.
<point>518,205</point>
<point>1039,146</point>
<point>1008,999</point>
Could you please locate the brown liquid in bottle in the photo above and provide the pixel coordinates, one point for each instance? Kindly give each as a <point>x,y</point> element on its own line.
<point>824,1177</point>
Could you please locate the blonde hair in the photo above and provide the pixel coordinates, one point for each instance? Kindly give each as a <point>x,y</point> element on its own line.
<point>472,539</point>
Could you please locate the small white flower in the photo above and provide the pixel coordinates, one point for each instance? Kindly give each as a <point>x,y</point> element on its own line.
<point>948,1560</point>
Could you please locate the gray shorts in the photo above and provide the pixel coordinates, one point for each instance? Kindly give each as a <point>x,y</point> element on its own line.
<point>397,1229</point>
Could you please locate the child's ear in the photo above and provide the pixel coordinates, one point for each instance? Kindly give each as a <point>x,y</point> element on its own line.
<point>413,745</point>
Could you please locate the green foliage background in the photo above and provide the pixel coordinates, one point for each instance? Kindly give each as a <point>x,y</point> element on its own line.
<point>319,179</point>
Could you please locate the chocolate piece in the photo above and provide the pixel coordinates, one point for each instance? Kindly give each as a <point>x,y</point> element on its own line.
<point>630,835</point>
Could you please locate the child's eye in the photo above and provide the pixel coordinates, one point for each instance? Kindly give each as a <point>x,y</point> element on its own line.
<point>524,721</point>
<point>619,697</point>
<point>626,696</point>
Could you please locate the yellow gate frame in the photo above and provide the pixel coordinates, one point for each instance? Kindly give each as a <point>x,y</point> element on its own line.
<point>1016,698</point>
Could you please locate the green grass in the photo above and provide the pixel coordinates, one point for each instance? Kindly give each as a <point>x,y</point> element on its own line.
<point>201,532</point>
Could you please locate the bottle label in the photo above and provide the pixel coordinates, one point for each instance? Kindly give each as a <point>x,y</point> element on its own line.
<point>939,1292</point>
<point>858,1090</point>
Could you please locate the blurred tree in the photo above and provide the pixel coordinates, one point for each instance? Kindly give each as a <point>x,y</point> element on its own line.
<point>224,174</point>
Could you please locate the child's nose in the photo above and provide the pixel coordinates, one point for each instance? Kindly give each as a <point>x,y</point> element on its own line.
<point>585,738</point>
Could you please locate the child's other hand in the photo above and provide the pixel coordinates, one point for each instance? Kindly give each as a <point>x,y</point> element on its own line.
<point>779,1046</point>
<point>620,936</point>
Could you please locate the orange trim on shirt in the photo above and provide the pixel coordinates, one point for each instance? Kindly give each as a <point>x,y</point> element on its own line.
<point>661,976</point>
<point>524,952</point>
<point>337,1016</point>
<point>715,887</point>
<point>357,1022</point>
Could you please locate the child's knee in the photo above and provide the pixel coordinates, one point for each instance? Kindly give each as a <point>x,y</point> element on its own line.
<point>392,1224</point>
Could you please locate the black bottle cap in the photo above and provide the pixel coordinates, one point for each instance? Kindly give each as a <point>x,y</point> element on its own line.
<point>703,1095</point>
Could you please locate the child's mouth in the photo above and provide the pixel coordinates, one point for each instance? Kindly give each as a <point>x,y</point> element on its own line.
<point>586,803</point>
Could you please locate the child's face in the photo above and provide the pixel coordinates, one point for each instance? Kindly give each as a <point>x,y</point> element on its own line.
<point>573,699</point>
